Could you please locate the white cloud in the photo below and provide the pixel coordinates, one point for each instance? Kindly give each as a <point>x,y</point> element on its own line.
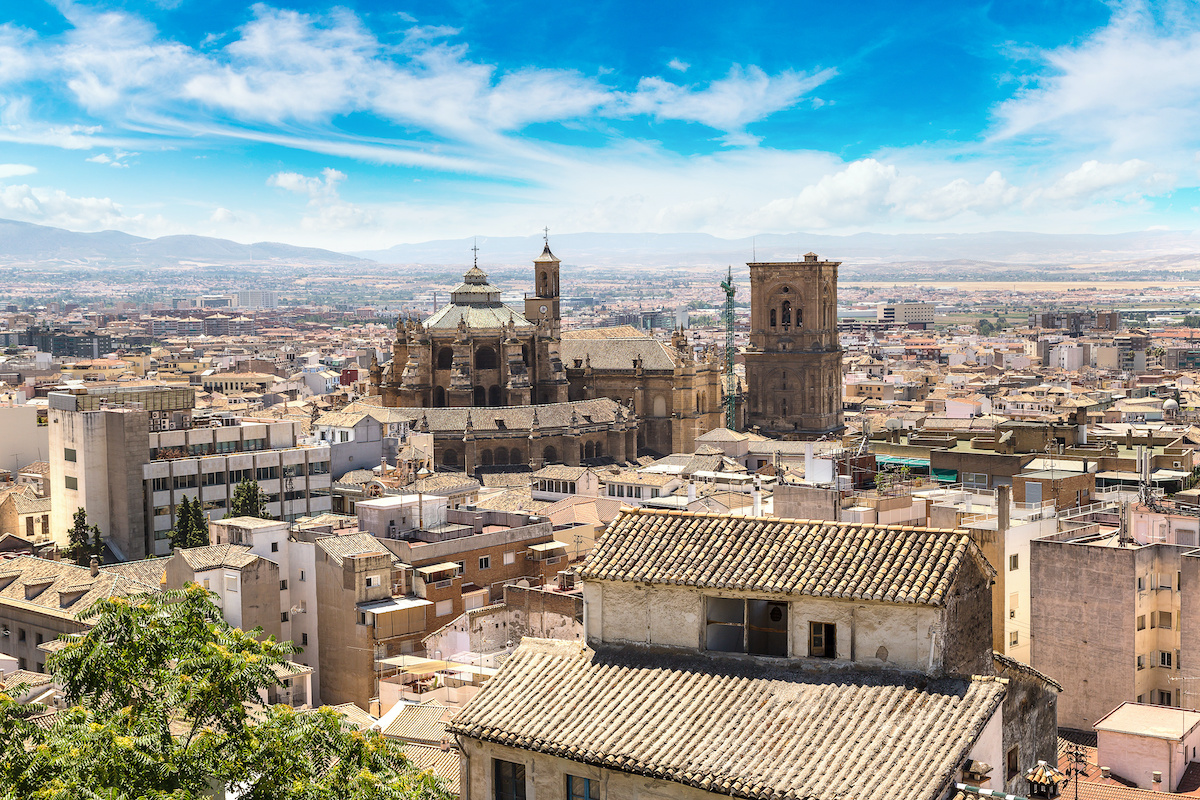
<point>1132,87</point>
<point>1096,178</point>
<point>56,207</point>
<point>117,158</point>
<point>16,170</point>
<point>326,207</point>
<point>223,216</point>
<point>677,65</point>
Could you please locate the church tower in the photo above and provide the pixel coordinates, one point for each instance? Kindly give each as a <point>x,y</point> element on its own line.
<point>545,302</point>
<point>794,360</point>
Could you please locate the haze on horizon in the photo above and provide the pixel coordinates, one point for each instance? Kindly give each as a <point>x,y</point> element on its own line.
<point>356,126</point>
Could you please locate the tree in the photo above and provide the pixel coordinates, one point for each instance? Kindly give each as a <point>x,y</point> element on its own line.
<point>83,540</point>
<point>249,501</point>
<point>164,703</point>
<point>191,528</point>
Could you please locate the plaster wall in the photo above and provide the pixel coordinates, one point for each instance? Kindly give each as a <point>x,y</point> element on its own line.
<point>1136,758</point>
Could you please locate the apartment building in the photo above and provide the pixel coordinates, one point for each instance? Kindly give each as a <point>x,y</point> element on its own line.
<point>130,457</point>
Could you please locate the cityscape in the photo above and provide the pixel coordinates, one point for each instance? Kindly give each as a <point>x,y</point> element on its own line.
<point>491,403</point>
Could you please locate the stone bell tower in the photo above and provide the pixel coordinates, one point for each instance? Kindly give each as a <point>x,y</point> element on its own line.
<point>545,302</point>
<point>794,360</point>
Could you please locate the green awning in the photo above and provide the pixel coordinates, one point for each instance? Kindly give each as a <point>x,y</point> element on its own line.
<point>945,475</point>
<point>907,461</point>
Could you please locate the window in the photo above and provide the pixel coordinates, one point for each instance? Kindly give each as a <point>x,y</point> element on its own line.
<point>1160,619</point>
<point>758,627</point>
<point>509,781</point>
<point>161,484</point>
<point>1141,584</point>
<point>1012,639</point>
<point>1141,622</point>
<point>20,634</point>
<point>283,617</point>
<point>302,578</point>
<point>304,639</point>
<point>39,638</point>
<point>373,580</point>
<point>582,788</point>
<point>1012,766</point>
<point>362,618</point>
<point>71,483</point>
<point>822,640</point>
<point>231,583</point>
<point>485,562</point>
<point>206,584</point>
<point>443,608</point>
<point>1013,561</point>
<point>1141,664</point>
<point>510,557</point>
<point>460,567</point>
<point>68,455</point>
<point>274,547</point>
<point>1164,659</point>
<point>283,585</point>
<point>1164,698</point>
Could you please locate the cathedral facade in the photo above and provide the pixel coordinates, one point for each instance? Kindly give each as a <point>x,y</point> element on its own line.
<point>794,359</point>
<point>477,352</point>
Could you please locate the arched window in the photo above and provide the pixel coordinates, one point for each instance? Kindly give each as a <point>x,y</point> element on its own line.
<point>783,407</point>
<point>786,313</point>
<point>525,354</point>
<point>660,406</point>
<point>439,397</point>
<point>516,457</point>
<point>494,395</point>
<point>799,317</point>
<point>485,458</point>
<point>599,450</point>
<point>589,450</point>
<point>450,458</point>
<point>502,456</point>
<point>773,323</point>
<point>479,399</point>
<point>445,359</point>
<point>550,455</point>
<point>485,358</point>
<point>783,381</point>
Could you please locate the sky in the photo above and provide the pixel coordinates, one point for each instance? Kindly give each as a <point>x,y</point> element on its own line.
<point>360,125</point>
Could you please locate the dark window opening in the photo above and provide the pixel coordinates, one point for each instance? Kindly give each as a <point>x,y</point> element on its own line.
<point>510,780</point>
<point>1011,766</point>
<point>445,358</point>
<point>822,640</point>
<point>485,358</point>
<point>757,627</point>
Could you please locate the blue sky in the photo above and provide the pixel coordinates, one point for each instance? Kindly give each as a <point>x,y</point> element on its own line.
<point>361,125</point>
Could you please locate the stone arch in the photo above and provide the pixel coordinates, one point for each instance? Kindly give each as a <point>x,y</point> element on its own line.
<point>439,397</point>
<point>550,455</point>
<point>773,319</point>
<point>450,458</point>
<point>485,357</point>
<point>660,406</point>
<point>589,450</point>
<point>516,457</point>
<point>704,402</point>
<point>525,354</point>
<point>785,313</point>
<point>479,397</point>
<point>599,450</point>
<point>494,395</point>
<point>445,358</point>
<point>485,458</point>
<point>502,456</point>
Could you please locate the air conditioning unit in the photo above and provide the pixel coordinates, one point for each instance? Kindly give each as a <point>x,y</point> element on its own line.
<point>1012,613</point>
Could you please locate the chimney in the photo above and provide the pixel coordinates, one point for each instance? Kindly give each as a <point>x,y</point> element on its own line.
<point>1156,776</point>
<point>1129,436</point>
<point>808,461</point>
<point>1003,499</point>
<point>1106,772</point>
<point>95,566</point>
<point>691,492</point>
<point>757,496</point>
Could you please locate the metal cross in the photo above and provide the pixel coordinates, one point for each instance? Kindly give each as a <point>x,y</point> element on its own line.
<point>475,250</point>
<point>546,234</point>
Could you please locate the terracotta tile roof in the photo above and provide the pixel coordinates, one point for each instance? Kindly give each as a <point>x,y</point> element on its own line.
<point>422,723</point>
<point>148,571</point>
<point>58,588</point>
<point>234,556</point>
<point>824,559</point>
<point>443,763</point>
<point>354,544</point>
<point>734,727</point>
<point>355,716</point>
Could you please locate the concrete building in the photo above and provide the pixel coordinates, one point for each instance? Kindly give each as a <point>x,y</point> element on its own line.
<point>913,315</point>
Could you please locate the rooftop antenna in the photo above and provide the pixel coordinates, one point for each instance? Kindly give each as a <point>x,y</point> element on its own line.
<point>475,250</point>
<point>546,235</point>
<point>754,249</point>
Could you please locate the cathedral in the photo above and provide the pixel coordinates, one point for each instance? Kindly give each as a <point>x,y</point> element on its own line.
<point>477,352</point>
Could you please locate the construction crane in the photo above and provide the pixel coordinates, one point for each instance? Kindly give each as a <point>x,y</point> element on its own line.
<point>730,379</point>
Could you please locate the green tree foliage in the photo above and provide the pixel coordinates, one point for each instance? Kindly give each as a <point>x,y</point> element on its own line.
<point>164,704</point>
<point>249,501</point>
<point>985,327</point>
<point>191,528</point>
<point>83,540</point>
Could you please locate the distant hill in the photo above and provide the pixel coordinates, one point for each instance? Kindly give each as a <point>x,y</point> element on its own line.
<point>25,241</point>
<point>699,249</point>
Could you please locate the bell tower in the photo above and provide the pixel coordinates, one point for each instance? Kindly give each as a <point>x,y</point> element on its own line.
<point>794,359</point>
<point>545,302</point>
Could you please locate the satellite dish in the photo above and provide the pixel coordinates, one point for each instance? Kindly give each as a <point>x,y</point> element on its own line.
<point>893,424</point>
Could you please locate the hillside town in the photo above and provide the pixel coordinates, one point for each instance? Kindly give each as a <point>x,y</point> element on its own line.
<point>798,545</point>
